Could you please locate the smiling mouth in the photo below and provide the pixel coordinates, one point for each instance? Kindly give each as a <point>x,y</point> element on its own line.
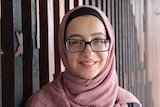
<point>88,63</point>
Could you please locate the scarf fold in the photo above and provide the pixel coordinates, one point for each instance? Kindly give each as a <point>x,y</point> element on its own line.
<point>101,91</point>
<point>96,92</point>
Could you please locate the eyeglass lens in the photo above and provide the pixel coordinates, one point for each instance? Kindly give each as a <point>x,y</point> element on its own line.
<point>79,45</point>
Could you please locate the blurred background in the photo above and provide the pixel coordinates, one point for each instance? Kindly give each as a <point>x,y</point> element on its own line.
<point>29,56</point>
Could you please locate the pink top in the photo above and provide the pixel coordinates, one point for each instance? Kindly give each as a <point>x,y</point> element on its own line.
<point>69,90</point>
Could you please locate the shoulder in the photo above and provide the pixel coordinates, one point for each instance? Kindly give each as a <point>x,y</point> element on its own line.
<point>133,105</point>
<point>47,96</point>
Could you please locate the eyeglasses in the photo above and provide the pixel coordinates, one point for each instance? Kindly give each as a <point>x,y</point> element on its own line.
<point>99,45</point>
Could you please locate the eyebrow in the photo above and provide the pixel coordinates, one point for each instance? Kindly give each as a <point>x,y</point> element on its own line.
<point>97,33</point>
<point>93,34</point>
<point>74,35</point>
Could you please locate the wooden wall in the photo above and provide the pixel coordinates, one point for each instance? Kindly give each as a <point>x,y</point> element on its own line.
<point>127,18</point>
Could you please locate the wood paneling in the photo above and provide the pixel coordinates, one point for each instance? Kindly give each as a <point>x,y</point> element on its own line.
<point>28,49</point>
<point>43,52</point>
<point>8,95</point>
<point>56,26</point>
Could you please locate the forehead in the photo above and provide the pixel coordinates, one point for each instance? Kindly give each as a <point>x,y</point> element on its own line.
<point>87,21</point>
<point>85,25</point>
<point>84,19</point>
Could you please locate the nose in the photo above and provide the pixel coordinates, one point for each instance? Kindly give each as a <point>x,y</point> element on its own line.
<point>88,51</point>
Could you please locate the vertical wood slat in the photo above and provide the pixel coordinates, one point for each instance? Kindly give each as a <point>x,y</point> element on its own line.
<point>66,6</point>
<point>108,9</point>
<point>127,36</point>
<point>90,2</point>
<point>121,77</point>
<point>1,53</point>
<point>137,66</point>
<point>76,3</point>
<point>132,52</point>
<point>126,43</point>
<point>8,95</point>
<point>136,48</point>
<point>28,49</point>
<point>84,2</point>
<point>102,6</point>
<point>123,42</point>
<point>43,52</point>
<point>129,45</point>
<point>117,40</point>
<point>133,56</point>
<point>96,3</point>
<point>56,26</point>
<point>147,86</point>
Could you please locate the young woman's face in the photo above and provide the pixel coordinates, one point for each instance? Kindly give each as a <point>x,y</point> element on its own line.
<point>87,64</point>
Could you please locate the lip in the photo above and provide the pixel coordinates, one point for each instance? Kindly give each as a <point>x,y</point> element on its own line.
<point>88,63</point>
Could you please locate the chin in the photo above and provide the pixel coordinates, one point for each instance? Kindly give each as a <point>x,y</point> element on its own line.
<point>89,77</point>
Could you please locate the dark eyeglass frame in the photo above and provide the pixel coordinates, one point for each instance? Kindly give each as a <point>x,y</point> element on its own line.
<point>87,43</point>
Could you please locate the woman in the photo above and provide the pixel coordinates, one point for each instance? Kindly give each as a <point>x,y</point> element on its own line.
<point>86,45</point>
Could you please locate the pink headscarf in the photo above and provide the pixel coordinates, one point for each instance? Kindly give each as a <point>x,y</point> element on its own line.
<point>101,91</point>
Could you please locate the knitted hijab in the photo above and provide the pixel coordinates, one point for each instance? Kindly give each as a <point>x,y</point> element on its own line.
<point>101,91</point>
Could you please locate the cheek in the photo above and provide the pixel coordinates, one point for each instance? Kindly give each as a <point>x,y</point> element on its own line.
<point>104,57</point>
<point>71,57</point>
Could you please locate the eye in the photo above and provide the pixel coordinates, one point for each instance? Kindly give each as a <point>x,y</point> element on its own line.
<point>99,41</point>
<point>75,42</point>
